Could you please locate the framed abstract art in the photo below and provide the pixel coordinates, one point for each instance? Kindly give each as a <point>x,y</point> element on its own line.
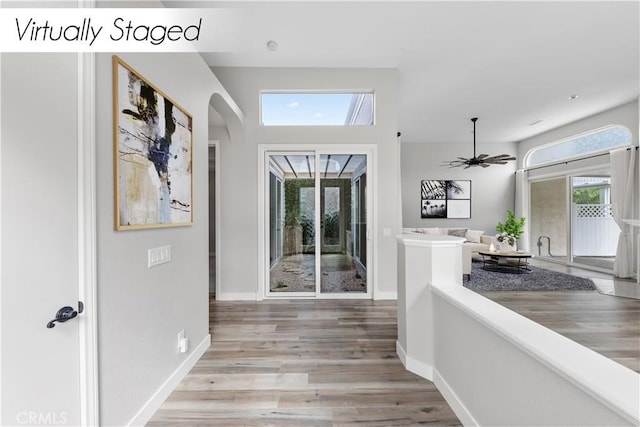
<point>153,154</point>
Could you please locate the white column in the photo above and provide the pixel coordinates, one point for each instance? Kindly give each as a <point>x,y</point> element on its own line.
<point>422,260</point>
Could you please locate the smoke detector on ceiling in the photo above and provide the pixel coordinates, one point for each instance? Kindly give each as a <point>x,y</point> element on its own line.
<point>272,45</point>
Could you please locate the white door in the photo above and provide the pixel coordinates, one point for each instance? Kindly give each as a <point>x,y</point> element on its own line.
<point>39,371</point>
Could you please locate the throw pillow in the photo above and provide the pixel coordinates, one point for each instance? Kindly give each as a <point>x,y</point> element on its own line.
<point>431,230</point>
<point>458,232</point>
<point>474,235</point>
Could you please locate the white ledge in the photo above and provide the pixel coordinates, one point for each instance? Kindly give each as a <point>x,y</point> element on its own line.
<point>613,384</point>
<point>429,240</point>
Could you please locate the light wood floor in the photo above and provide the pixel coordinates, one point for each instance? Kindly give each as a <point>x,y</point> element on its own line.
<point>333,362</point>
<point>303,363</point>
<point>608,325</point>
<point>605,324</point>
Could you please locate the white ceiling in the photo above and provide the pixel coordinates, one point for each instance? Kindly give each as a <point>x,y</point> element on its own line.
<point>508,63</point>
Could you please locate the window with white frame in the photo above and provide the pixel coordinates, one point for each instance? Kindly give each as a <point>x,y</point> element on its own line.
<point>316,109</point>
<point>594,142</point>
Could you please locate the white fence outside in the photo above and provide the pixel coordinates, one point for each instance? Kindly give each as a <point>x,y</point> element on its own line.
<point>595,232</point>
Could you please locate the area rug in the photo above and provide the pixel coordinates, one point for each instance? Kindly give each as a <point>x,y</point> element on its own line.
<point>538,279</point>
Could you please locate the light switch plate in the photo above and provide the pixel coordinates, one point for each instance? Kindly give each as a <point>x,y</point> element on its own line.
<point>159,255</point>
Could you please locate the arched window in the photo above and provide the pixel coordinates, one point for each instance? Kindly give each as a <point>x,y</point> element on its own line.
<point>593,142</point>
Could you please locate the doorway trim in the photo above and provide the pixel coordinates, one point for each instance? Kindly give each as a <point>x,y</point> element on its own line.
<point>216,145</point>
<point>263,189</point>
<point>87,244</point>
<point>0,233</point>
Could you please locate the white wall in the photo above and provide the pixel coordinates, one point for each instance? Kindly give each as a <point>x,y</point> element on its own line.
<point>492,188</point>
<point>141,310</point>
<point>239,160</point>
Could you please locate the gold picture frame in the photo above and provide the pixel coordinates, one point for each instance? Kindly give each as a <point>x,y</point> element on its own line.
<point>153,154</point>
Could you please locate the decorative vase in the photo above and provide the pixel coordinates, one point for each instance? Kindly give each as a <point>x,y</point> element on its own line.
<point>507,248</point>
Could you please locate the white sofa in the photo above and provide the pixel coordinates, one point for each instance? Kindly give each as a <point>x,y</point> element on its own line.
<point>475,240</point>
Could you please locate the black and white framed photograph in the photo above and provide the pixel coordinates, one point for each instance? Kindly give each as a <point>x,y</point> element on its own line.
<point>434,209</point>
<point>445,199</point>
<point>434,190</point>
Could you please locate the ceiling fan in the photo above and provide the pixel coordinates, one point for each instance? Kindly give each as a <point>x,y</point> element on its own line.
<point>483,160</point>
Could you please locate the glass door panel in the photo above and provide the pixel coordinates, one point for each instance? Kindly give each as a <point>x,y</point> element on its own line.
<point>594,232</point>
<point>548,223</point>
<point>343,223</point>
<point>292,222</point>
<point>360,219</point>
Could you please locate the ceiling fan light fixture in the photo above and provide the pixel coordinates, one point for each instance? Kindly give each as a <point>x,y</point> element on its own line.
<point>483,160</point>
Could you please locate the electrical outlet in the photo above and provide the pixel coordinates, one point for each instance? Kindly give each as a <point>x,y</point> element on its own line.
<point>160,255</point>
<point>183,343</point>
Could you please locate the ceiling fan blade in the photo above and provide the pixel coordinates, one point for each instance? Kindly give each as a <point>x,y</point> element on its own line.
<point>500,157</point>
<point>482,156</point>
<point>462,158</point>
<point>484,165</point>
<point>455,163</point>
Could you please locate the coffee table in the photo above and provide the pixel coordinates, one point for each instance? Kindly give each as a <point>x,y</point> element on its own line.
<point>507,262</point>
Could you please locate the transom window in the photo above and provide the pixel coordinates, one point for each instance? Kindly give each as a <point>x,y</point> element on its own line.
<point>598,141</point>
<point>316,109</point>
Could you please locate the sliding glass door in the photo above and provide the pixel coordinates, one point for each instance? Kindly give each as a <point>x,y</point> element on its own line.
<point>292,218</point>
<point>549,218</point>
<point>571,220</point>
<point>341,271</point>
<point>318,217</point>
<point>594,232</point>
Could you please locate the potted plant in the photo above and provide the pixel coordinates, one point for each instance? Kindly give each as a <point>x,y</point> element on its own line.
<point>509,232</point>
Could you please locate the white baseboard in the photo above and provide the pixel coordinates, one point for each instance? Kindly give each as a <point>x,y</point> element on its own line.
<point>413,365</point>
<point>382,295</point>
<point>402,355</point>
<point>431,374</point>
<point>236,296</point>
<point>158,398</point>
<point>454,402</point>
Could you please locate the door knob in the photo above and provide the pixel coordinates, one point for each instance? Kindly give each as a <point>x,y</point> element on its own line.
<point>65,313</point>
